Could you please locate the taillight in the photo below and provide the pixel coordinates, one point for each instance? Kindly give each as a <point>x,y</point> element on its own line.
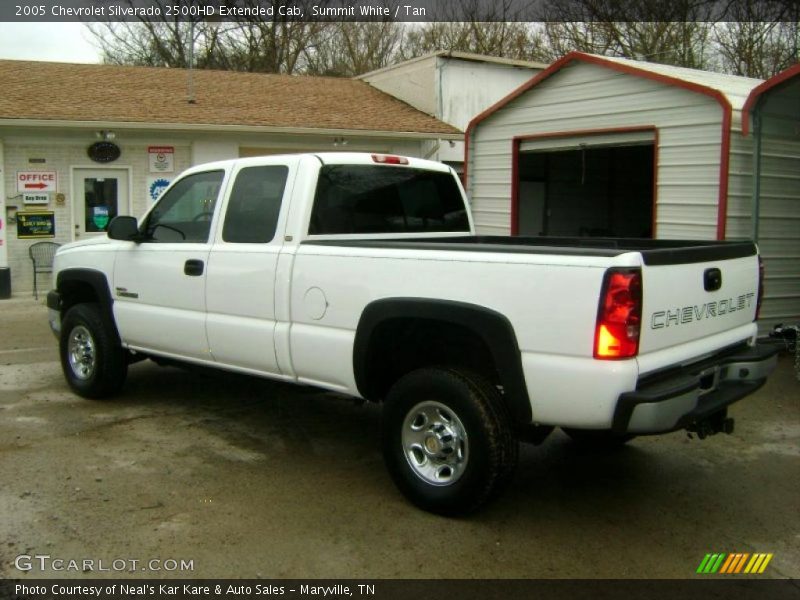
<point>388,159</point>
<point>760,287</point>
<point>619,316</point>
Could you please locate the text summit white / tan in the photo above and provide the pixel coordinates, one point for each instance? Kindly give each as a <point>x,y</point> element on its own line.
<point>363,274</point>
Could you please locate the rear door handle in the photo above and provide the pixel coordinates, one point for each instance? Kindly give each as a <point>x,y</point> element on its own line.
<point>193,267</point>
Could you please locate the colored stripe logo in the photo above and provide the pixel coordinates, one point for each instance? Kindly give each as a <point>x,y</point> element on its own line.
<point>734,564</point>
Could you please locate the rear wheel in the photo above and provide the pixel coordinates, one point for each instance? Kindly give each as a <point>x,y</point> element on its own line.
<point>598,438</point>
<point>93,362</point>
<point>447,440</point>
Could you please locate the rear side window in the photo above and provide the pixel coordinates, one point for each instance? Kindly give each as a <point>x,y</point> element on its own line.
<point>254,205</point>
<point>385,199</point>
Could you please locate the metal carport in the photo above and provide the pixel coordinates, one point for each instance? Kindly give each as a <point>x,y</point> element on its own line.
<point>772,114</point>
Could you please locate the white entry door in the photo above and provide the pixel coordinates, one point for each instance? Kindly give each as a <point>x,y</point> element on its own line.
<point>98,196</point>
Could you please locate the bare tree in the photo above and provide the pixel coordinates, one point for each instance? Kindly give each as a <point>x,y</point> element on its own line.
<point>162,43</point>
<point>676,32</point>
<point>347,49</point>
<point>498,28</point>
<point>248,44</point>
<point>268,46</point>
<point>759,39</point>
<point>746,37</point>
<point>521,41</point>
<point>144,43</point>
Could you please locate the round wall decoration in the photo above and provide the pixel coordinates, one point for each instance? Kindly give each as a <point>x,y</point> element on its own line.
<point>104,152</point>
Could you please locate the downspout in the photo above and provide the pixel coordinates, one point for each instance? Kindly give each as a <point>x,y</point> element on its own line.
<point>438,68</point>
<point>439,74</point>
<point>757,122</point>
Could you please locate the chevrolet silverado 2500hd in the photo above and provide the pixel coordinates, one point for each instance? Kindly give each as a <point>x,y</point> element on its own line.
<point>363,274</point>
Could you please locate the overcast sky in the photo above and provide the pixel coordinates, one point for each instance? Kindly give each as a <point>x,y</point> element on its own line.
<point>58,42</point>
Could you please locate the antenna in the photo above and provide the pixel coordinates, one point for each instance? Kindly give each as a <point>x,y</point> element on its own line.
<point>191,99</point>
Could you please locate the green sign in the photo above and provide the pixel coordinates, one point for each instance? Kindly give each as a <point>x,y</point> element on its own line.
<point>100,217</point>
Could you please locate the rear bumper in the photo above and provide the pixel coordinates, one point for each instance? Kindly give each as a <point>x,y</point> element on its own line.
<point>686,396</point>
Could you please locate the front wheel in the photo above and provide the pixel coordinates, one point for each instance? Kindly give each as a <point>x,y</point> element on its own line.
<point>93,362</point>
<point>447,440</point>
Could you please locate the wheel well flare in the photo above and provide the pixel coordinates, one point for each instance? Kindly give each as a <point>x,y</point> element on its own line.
<point>397,336</point>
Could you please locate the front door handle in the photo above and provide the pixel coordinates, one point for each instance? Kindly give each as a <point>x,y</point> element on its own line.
<point>193,267</point>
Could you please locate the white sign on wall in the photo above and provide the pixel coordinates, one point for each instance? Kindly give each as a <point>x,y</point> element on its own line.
<point>35,199</point>
<point>162,159</point>
<point>37,181</point>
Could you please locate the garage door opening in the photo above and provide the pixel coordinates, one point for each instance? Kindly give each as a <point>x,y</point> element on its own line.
<point>586,191</point>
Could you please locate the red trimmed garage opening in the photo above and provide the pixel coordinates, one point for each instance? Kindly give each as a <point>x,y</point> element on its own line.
<point>586,186</point>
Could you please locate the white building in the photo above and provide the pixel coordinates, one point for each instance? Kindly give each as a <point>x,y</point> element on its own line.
<point>453,87</point>
<point>605,146</point>
<point>82,143</point>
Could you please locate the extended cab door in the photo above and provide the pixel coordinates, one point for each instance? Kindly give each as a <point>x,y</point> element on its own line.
<point>159,284</point>
<point>240,292</point>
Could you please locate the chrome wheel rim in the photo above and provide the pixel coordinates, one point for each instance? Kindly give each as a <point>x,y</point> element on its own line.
<point>435,443</point>
<point>81,352</point>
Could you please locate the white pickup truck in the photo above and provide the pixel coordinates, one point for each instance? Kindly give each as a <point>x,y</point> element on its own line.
<point>362,273</point>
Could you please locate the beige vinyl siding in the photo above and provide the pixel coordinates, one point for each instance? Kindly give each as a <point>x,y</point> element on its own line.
<point>739,224</point>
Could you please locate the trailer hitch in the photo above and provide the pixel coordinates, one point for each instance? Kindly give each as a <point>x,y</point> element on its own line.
<point>716,423</point>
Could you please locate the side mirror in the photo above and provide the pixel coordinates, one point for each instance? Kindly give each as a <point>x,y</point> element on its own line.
<point>123,227</point>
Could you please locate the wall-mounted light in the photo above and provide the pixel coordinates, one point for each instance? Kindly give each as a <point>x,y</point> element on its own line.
<point>105,134</point>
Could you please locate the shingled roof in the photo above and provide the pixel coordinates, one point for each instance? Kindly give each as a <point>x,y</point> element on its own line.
<point>73,92</point>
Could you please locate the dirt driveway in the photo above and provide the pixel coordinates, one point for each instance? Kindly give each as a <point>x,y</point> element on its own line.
<point>246,478</point>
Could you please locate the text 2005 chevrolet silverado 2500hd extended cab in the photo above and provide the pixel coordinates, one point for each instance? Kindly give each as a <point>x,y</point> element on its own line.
<point>362,274</point>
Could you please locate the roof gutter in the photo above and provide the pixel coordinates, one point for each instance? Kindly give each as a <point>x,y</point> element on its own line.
<point>217,128</point>
<point>465,56</point>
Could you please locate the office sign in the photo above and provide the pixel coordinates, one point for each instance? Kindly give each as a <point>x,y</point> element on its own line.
<point>37,181</point>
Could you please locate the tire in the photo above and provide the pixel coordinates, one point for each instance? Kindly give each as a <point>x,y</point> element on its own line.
<point>447,440</point>
<point>93,362</point>
<point>598,438</point>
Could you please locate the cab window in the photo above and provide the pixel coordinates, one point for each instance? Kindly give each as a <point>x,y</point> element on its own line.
<point>184,212</point>
<point>384,199</point>
<point>254,205</point>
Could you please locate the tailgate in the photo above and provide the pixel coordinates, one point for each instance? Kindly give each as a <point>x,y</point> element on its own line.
<point>689,301</point>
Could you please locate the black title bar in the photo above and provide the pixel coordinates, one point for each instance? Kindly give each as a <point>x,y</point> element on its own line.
<point>381,10</point>
<point>739,587</point>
